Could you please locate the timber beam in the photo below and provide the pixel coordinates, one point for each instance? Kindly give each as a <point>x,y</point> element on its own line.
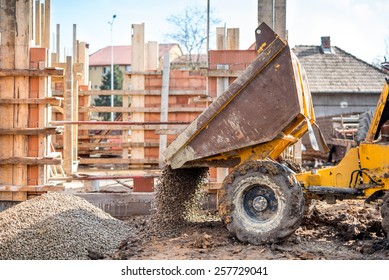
<point>32,131</point>
<point>31,160</point>
<point>32,72</point>
<point>54,101</point>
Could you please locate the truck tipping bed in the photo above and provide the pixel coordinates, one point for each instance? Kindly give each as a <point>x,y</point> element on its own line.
<point>266,109</point>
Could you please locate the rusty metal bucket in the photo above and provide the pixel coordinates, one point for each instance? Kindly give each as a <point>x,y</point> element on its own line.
<point>269,100</point>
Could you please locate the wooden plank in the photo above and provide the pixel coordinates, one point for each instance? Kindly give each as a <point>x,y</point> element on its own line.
<point>38,188</point>
<point>4,72</point>
<point>125,132</point>
<point>7,60</point>
<point>220,38</point>
<point>100,152</point>
<point>21,90</point>
<point>232,38</point>
<point>58,109</point>
<point>138,83</point>
<point>93,137</point>
<point>42,23</point>
<point>13,196</point>
<point>121,127</point>
<point>104,145</point>
<point>105,92</point>
<point>37,22</point>
<point>83,60</point>
<point>144,144</point>
<point>30,131</point>
<point>46,30</point>
<point>164,105</point>
<point>222,73</point>
<point>144,73</point>
<point>53,101</point>
<point>195,92</point>
<point>75,51</point>
<point>152,55</point>
<point>58,43</point>
<point>168,131</point>
<point>77,74</point>
<point>31,161</point>
<point>139,110</point>
<point>118,145</point>
<point>118,161</point>
<point>68,116</point>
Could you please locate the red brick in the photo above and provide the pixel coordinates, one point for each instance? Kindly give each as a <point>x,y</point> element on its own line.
<point>143,185</point>
<point>32,175</point>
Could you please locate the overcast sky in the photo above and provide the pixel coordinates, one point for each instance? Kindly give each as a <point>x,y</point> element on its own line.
<point>359,27</point>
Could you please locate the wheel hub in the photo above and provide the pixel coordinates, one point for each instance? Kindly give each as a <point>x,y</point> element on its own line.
<point>260,203</point>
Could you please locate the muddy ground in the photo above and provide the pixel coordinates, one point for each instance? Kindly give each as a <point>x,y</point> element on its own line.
<point>347,230</point>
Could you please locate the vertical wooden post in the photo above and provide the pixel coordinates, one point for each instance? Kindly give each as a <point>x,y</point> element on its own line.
<point>44,118</point>
<point>138,83</point>
<point>36,175</point>
<point>233,39</point>
<point>125,132</point>
<point>222,83</point>
<point>31,29</point>
<point>82,59</point>
<point>43,25</point>
<point>46,30</point>
<point>7,61</point>
<point>152,55</point>
<point>38,22</point>
<point>220,38</point>
<point>58,42</point>
<point>68,108</point>
<point>280,18</point>
<point>21,87</point>
<point>265,12</point>
<point>164,105</point>
<point>75,95</point>
<point>75,60</point>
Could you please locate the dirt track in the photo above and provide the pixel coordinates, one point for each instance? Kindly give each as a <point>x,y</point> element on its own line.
<point>347,230</point>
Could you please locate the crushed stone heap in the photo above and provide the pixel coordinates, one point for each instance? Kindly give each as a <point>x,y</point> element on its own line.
<point>58,226</point>
<point>174,194</point>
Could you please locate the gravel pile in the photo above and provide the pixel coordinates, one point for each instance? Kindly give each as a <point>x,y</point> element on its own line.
<point>58,226</point>
<point>174,194</point>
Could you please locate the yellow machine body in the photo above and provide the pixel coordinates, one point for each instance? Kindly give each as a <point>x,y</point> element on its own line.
<point>365,168</point>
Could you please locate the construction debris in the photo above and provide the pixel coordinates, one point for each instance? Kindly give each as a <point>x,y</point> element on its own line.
<point>58,226</point>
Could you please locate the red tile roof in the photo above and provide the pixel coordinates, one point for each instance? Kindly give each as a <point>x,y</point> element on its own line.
<point>121,55</point>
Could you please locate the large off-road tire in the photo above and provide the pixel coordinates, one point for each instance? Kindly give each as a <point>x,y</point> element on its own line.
<point>385,214</point>
<point>363,126</point>
<point>261,202</point>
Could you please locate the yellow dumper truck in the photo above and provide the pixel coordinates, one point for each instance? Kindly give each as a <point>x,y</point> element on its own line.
<point>265,110</point>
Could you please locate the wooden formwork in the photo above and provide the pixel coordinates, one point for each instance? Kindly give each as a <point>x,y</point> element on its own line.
<point>25,155</point>
<point>103,146</point>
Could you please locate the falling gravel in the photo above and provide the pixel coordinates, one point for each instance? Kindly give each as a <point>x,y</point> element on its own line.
<point>174,193</point>
<point>58,226</point>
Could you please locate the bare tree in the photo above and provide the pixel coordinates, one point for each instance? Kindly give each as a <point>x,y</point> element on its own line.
<point>191,31</point>
<point>382,61</point>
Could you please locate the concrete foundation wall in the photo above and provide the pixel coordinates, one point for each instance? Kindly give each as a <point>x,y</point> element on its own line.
<point>121,205</point>
<point>4,205</point>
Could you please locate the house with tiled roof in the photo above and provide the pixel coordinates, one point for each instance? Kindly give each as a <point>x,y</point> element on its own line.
<point>100,61</point>
<point>340,83</point>
<point>342,87</point>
